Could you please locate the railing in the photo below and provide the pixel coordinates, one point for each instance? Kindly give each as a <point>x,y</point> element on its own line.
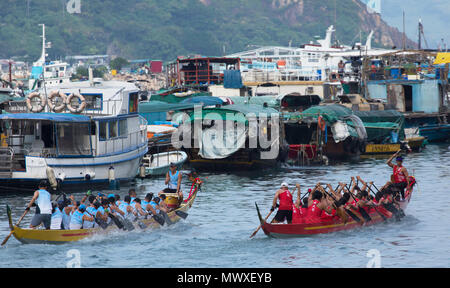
<point>279,76</point>
<point>201,76</point>
<point>132,140</point>
<point>109,107</point>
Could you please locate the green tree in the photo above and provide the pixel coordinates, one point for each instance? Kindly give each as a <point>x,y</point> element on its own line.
<point>118,63</point>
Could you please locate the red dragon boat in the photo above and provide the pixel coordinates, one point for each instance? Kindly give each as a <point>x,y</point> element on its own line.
<point>280,230</point>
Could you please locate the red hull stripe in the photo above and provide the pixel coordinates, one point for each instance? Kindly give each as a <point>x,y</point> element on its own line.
<point>72,235</point>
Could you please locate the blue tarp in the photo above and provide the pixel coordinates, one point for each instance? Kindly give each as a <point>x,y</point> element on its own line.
<point>55,117</point>
<point>232,79</point>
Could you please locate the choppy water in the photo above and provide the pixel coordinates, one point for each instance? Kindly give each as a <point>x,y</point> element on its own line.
<point>216,233</point>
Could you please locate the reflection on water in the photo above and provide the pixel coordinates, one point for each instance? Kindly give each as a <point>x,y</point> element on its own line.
<point>216,233</point>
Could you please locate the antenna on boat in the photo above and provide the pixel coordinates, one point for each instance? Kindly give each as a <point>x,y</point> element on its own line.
<point>369,41</point>
<point>28,8</point>
<point>404,35</point>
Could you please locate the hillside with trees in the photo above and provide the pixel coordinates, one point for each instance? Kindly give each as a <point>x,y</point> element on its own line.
<point>165,29</point>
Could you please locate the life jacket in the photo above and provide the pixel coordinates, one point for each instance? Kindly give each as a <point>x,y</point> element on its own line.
<point>399,176</point>
<point>285,201</point>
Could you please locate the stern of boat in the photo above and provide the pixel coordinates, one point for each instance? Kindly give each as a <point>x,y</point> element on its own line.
<point>263,223</point>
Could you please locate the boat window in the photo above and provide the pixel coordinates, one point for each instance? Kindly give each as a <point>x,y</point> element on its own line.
<point>113,129</point>
<point>134,100</point>
<point>103,131</point>
<point>123,128</point>
<point>93,101</point>
<point>73,139</point>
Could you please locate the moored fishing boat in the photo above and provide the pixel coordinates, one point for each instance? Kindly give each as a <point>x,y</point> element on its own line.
<point>158,164</point>
<point>36,236</point>
<point>308,229</point>
<point>233,137</point>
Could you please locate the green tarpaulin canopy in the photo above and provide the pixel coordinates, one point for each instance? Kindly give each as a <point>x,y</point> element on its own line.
<point>380,124</point>
<point>176,95</point>
<point>159,106</point>
<point>235,112</point>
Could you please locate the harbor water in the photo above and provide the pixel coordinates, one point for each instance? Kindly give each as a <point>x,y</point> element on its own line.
<point>216,233</point>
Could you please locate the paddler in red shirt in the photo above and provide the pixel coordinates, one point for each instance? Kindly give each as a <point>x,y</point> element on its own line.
<point>400,175</point>
<point>285,205</point>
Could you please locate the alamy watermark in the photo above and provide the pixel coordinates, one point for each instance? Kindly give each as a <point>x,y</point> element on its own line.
<point>74,7</point>
<point>75,258</point>
<point>229,131</point>
<point>375,258</point>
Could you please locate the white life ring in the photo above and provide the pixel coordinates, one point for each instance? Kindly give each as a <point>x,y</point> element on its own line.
<point>78,109</point>
<point>60,107</point>
<point>41,105</point>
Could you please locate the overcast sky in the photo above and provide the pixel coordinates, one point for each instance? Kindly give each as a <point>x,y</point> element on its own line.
<point>435,16</point>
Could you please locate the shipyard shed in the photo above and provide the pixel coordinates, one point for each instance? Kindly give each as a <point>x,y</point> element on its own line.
<point>419,96</point>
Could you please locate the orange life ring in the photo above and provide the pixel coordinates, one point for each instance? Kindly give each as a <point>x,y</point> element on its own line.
<point>321,123</point>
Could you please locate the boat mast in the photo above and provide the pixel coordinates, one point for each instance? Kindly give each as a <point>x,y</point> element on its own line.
<point>420,34</point>
<point>404,33</point>
<point>41,61</point>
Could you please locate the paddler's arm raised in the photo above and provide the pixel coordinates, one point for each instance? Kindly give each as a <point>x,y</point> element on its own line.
<point>364,188</point>
<point>299,196</point>
<point>389,161</point>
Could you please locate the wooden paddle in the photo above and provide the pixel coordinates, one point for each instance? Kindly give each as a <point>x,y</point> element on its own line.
<point>349,213</point>
<point>376,208</point>
<point>181,214</point>
<point>116,221</point>
<point>166,217</point>
<point>398,212</point>
<point>159,219</point>
<point>100,222</point>
<point>259,227</point>
<point>17,224</point>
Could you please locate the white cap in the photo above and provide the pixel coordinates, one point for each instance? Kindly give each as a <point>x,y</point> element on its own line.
<point>284,184</point>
